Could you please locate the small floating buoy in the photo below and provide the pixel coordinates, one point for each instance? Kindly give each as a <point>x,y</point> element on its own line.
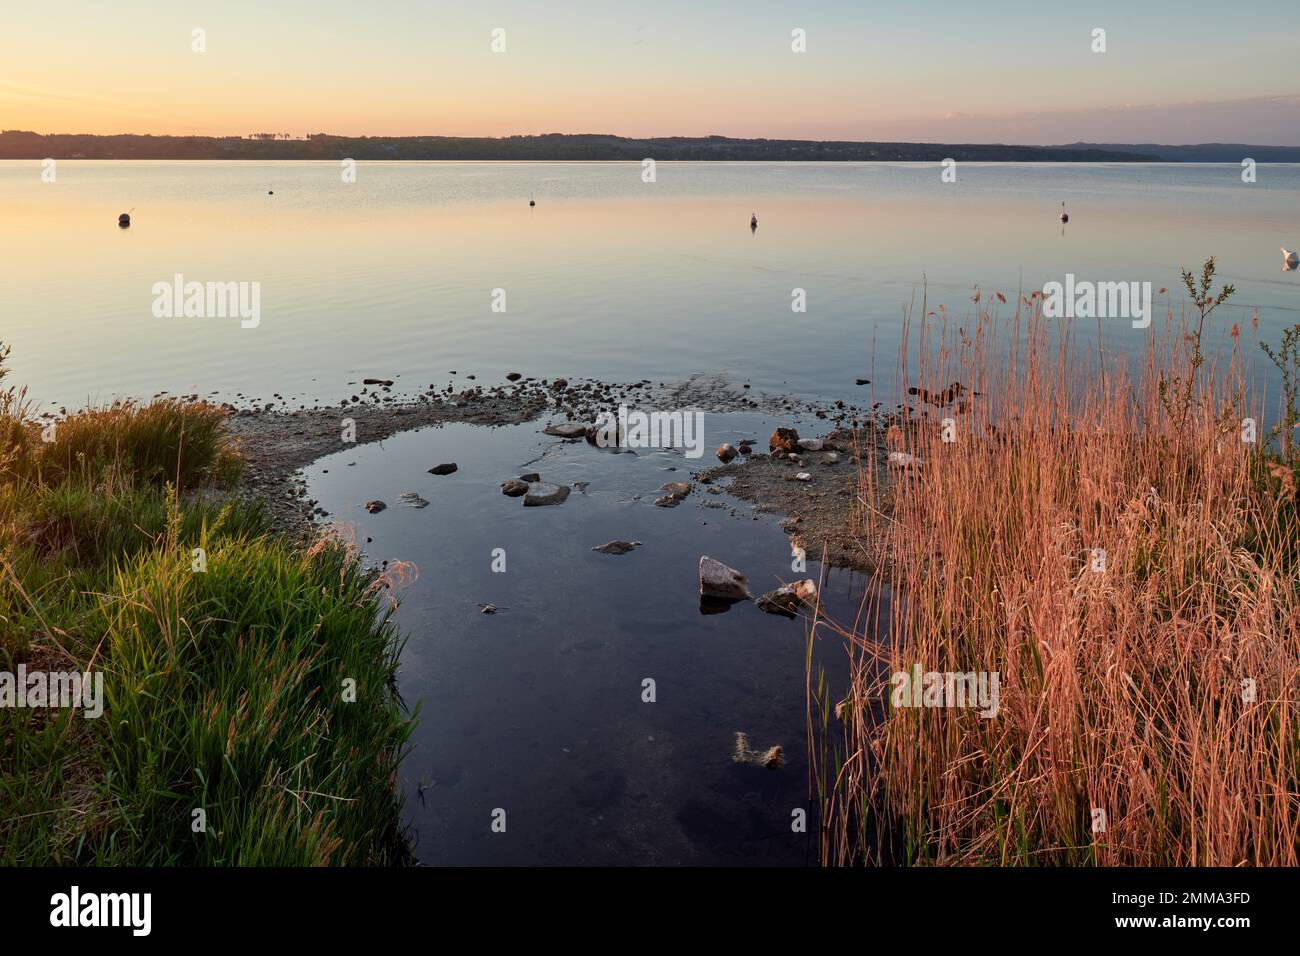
<point>124,220</point>
<point>531,201</point>
<point>1065,216</point>
<point>753,221</point>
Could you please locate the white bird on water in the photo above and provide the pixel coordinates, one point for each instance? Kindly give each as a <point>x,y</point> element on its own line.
<point>1290,259</point>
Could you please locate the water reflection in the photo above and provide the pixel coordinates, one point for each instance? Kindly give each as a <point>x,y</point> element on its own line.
<point>607,276</point>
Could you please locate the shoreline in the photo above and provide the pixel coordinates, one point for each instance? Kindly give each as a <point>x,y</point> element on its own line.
<point>276,445</point>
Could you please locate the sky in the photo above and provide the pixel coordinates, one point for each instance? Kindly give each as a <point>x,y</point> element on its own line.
<point>937,71</point>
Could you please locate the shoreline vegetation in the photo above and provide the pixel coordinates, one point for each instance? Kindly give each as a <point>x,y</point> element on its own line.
<point>1114,550</point>
<point>249,691</point>
<point>1124,554</point>
<point>553,147</point>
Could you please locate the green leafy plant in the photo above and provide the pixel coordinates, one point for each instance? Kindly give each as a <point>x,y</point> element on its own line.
<point>1176,393</point>
<point>1287,360</point>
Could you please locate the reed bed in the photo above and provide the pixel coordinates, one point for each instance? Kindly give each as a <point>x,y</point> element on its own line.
<point>1100,534</point>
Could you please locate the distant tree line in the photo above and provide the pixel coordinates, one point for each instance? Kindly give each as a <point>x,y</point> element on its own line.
<point>21,144</point>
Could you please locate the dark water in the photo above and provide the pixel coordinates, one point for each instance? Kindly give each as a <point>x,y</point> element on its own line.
<point>538,709</point>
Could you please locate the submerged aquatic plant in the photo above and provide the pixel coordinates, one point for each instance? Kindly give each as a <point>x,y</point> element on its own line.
<point>771,758</point>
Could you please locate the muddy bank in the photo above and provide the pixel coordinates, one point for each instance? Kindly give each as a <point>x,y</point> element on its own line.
<point>276,445</point>
<point>821,494</point>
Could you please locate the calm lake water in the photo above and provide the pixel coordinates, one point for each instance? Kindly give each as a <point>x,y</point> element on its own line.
<point>608,276</point>
<point>539,709</point>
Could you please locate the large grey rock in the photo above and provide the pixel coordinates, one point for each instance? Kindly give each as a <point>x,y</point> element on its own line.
<point>719,581</point>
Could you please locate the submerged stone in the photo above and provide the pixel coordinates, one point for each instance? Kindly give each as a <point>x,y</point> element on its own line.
<point>566,430</point>
<point>616,547</point>
<point>543,493</point>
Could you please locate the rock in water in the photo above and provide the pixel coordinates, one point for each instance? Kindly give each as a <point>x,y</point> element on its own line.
<point>787,598</point>
<point>543,493</point>
<point>514,488</point>
<point>616,547</point>
<point>781,601</point>
<point>668,501</point>
<point>805,590</point>
<point>783,439</point>
<point>444,469</point>
<point>514,376</point>
<point>726,452</point>
<point>810,444</point>
<point>719,581</point>
<point>374,507</point>
<point>412,499</point>
<point>566,430</point>
<point>678,489</point>
<point>530,477</point>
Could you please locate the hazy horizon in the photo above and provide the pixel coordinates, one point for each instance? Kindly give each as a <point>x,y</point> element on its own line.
<point>382,135</point>
<point>1174,74</point>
